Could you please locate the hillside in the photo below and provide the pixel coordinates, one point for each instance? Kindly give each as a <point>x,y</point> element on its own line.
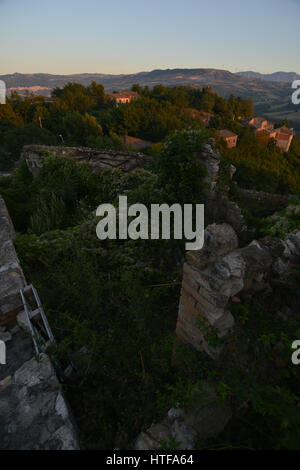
<point>272,77</point>
<point>222,81</point>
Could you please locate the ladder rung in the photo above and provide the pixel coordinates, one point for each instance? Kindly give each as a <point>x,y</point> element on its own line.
<point>26,288</point>
<point>39,311</point>
<point>34,313</point>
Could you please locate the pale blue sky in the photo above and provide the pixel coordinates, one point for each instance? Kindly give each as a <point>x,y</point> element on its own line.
<point>128,36</point>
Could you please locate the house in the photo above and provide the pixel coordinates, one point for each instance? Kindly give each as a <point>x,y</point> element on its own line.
<point>264,136</point>
<point>259,123</point>
<point>264,131</point>
<point>229,137</point>
<point>205,117</point>
<point>135,143</point>
<point>124,97</point>
<point>284,137</point>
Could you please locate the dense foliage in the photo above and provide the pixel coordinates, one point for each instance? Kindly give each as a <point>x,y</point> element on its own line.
<point>264,168</point>
<point>116,299</point>
<point>79,115</point>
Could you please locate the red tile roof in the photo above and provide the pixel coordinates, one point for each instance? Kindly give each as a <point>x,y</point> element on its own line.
<point>135,142</point>
<point>124,94</point>
<point>226,134</point>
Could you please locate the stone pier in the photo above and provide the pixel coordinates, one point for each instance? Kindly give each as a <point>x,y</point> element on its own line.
<point>218,272</point>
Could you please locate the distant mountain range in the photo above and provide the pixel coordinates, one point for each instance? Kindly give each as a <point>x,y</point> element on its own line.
<point>288,77</point>
<point>271,93</point>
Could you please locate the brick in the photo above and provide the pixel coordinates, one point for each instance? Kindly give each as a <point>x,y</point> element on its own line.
<point>189,302</point>
<point>198,276</point>
<point>190,290</point>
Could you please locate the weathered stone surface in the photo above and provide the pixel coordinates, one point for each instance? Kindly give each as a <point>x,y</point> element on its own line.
<point>210,158</point>
<point>274,245</point>
<point>230,212</point>
<point>34,413</point>
<point>218,272</point>
<point>6,225</point>
<point>11,281</point>
<point>97,159</point>
<point>11,274</point>
<point>23,321</point>
<point>218,240</point>
<point>18,350</point>
<point>5,383</point>
<point>145,442</point>
<point>292,246</point>
<point>6,336</point>
<point>225,324</point>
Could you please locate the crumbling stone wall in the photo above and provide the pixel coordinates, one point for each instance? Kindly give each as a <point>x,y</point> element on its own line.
<point>33,411</point>
<point>11,275</point>
<point>262,204</point>
<point>219,271</point>
<point>218,207</point>
<point>97,160</point>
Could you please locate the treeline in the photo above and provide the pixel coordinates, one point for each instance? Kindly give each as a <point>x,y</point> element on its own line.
<point>87,116</point>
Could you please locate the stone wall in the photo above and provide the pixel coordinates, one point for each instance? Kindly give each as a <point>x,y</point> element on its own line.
<point>203,295</point>
<point>218,272</point>
<point>97,160</point>
<point>33,411</point>
<point>11,275</point>
<point>218,207</point>
<point>262,204</point>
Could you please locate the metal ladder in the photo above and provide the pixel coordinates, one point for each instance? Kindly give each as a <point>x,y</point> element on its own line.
<point>37,321</point>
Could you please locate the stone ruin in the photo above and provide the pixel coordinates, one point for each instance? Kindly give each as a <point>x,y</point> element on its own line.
<point>97,160</point>
<point>204,418</point>
<point>211,277</point>
<point>33,412</point>
<point>220,271</point>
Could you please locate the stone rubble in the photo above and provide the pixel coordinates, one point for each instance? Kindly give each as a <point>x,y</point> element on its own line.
<point>220,271</point>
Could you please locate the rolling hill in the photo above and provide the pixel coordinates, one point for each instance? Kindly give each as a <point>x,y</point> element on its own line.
<point>288,77</point>
<point>270,97</point>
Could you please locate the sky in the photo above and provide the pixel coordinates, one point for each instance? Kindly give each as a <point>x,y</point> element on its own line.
<point>129,36</point>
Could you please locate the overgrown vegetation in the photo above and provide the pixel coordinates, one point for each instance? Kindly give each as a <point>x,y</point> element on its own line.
<point>282,223</point>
